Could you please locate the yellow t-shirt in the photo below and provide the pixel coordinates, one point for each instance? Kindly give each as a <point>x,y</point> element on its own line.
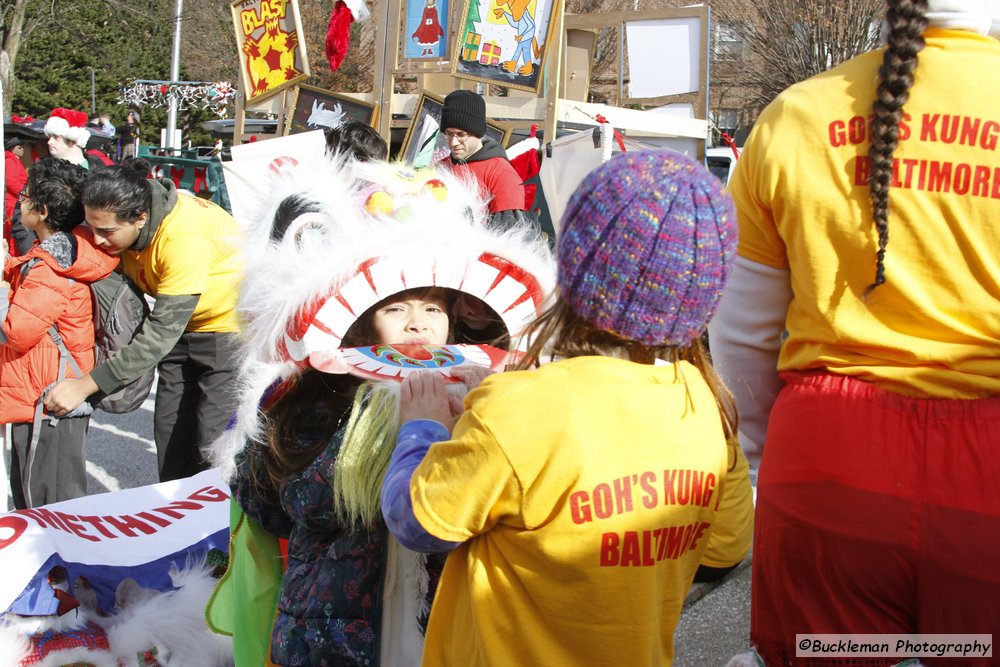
<point>933,329</point>
<point>194,251</point>
<point>586,493</point>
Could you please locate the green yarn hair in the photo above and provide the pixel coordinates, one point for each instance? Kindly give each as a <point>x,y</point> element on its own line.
<point>364,455</point>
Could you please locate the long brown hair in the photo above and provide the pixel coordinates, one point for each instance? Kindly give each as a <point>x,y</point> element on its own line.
<point>560,332</point>
<point>906,20</point>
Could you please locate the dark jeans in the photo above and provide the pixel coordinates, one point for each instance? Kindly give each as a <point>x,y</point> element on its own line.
<point>195,398</point>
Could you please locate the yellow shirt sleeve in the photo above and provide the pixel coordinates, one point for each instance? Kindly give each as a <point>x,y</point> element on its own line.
<point>732,530</point>
<point>465,485</point>
<point>759,239</point>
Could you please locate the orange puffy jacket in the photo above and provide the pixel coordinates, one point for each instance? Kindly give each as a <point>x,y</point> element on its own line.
<point>47,294</point>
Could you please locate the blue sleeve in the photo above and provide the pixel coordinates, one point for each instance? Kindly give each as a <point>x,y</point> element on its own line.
<point>415,438</point>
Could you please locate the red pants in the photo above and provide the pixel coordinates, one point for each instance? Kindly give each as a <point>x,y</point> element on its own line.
<point>876,513</point>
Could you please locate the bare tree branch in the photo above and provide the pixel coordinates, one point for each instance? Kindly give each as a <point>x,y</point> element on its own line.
<point>787,42</point>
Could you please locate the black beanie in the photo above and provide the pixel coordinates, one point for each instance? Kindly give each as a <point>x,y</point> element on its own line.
<point>464,110</point>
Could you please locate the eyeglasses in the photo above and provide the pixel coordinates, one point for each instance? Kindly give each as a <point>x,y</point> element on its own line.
<point>23,194</point>
<point>460,136</point>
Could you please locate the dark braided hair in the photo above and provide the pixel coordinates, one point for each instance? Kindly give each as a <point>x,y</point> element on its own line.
<point>906,21</point>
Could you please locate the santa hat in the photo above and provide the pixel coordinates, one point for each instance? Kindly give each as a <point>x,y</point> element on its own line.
<point>338,32</point>
<point>982,16</point>
<point>69,125</point>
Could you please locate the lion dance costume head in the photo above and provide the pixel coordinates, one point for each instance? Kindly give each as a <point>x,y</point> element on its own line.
<point>339,237</point>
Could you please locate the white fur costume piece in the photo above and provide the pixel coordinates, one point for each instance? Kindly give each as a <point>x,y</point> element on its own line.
<point>362,233</point>
<point>170,626</point>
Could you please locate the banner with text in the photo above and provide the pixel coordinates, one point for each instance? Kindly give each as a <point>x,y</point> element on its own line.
<point>136,533</point>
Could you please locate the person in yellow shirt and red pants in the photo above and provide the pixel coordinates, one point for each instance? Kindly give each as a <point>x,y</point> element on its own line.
<point>878,510</point>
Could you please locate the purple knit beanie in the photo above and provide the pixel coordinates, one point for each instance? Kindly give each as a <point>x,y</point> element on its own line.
<point>647,244</point>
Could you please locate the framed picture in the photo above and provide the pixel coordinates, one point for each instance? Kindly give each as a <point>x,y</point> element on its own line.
<point>272,51</point>
<point>424,143</point>
<point>503,42</point>
<point>425,29</point>
<point>318,109</point>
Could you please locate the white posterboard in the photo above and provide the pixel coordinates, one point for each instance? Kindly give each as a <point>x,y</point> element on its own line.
<point>253,163</point>
<point>663,56</point>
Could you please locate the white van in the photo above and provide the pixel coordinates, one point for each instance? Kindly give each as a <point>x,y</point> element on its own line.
<point>721,161</point>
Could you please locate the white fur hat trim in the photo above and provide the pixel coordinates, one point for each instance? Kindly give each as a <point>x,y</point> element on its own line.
<point>59,127</point>
<point>351,235</point>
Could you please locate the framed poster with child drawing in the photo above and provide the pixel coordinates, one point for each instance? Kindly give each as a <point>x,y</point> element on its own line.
<point>503,42</point>
<point>317,109</point>
<point>424,143</point>
<point>425,29</point>
<point>270,44</point>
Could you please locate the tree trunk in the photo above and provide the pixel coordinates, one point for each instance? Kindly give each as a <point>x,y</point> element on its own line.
<point>7,82</point>
<point>13,36</point>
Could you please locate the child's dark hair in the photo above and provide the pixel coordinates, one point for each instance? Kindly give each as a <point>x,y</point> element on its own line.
<point>119,189</point>
<point>906,20</point>
<point>358,140</point>
<point>301,422</point>
<point>56,185</point>
<point>140,164</point>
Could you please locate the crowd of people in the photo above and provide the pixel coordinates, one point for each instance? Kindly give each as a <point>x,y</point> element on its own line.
<point>173,246</point>
<point>451,444</point>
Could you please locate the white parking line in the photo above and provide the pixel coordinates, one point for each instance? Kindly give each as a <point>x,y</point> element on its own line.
<point>106,479</point>
<point>114,430</point>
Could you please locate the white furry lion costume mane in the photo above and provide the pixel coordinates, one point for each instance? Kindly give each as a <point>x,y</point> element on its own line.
<point>338,237</point>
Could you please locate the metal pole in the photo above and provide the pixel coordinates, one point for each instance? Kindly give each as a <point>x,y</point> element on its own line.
<point>93,94</point>
<point>175,74</point>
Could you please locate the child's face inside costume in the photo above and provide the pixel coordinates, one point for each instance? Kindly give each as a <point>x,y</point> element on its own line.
<point>413,318</point>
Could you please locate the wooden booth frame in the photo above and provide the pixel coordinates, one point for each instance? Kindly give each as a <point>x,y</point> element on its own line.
<point>271,46</point>
<point>311,106</point>
<point>490,40</point>
<point>428,139</point>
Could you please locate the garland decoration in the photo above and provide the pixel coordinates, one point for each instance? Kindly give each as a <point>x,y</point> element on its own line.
<point>189,94</point>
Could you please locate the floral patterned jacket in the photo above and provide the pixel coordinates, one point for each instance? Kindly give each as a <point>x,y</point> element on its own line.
<point>330,605</point>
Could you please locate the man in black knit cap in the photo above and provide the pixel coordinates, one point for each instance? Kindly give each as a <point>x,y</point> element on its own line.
<point>463,121</point>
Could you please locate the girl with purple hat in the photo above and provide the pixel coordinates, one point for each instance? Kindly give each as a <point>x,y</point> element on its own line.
<point>582,497</point>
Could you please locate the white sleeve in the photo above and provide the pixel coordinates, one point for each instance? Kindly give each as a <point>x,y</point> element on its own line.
<point>745,338</point>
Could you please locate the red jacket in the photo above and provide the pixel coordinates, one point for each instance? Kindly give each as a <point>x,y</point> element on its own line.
<point>16,176</point>
<point>47,294</point>
<point>495,175</point>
